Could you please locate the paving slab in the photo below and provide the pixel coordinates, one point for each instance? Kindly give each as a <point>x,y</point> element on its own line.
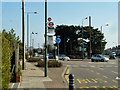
<point>32,77</point>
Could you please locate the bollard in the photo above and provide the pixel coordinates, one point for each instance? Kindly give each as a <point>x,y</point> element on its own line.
<point>71,82</point>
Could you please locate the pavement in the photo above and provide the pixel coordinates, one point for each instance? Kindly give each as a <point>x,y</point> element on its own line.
<point>33,77</point>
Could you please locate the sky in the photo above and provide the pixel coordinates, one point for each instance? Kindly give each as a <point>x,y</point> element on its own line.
<point>68,13</point>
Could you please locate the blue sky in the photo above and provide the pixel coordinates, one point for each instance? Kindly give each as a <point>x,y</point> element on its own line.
<point>68,13</point>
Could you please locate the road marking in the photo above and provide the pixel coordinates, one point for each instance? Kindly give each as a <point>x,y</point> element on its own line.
<point>117,78</point>
<point>84,81</point>
<point>79,81</point>
<point>105,76</point>
<point>88,80</point>
<point>100,80</point>
<point>104,87</point>
<point>101,68</point>
<point>114,81</point>
<point>91,70</point>
<point>94,80</point>
<point>81,88</point>
<point>112,87</point>
<point>67,76</point>
<point>115,86</point>
<point>97,73</point>
<point>92,66</point>
<point>115,72</point>
<point>68,71</point>
<point>96,87</point>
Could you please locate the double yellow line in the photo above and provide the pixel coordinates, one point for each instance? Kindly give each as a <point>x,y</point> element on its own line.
<point>67,75</point>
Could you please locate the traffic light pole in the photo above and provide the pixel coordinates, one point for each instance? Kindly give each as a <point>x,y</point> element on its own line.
<point>46,62</point>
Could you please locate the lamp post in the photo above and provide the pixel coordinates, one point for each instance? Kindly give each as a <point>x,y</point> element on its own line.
<point>82,38</point>
<point>90,35</point>
<point>101,32</point>
<point>28,31</point>
<point>31,43</point>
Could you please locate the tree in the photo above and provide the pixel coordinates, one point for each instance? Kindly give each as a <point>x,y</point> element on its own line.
<point>69,39</point>
<point>11,37</point>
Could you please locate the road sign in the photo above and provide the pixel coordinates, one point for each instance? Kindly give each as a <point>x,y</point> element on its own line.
<point>51,24</point>
<point>58,40</point>
<point>50,27</point>
<point>49,19</point>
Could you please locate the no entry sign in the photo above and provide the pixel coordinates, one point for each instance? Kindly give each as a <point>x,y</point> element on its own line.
<point>49,19</point>
<point>51,24</point>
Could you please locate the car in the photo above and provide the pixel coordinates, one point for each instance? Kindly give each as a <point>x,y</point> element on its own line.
<point>113,53</point>
<point>99,57</point>
<point>50,56</point>
<point>63,57</point>
<point>112,56</point>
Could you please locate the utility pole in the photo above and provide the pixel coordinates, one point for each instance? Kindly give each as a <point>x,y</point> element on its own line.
<point>90,35</point>
<point>23,31</point>
<point>46,62</point>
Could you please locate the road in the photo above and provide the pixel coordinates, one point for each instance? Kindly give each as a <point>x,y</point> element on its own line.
<point>94,74</point>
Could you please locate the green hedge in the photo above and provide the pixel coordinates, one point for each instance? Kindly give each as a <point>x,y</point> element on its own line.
<point>33,59</point>
<point>50,64</point>
<point>6,63</point>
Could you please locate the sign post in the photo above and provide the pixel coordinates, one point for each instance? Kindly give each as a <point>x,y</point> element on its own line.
<point>58,40</point>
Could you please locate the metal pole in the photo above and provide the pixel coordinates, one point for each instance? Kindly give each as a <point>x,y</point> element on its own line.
<point>27,35</point>
<point>101,38</point>
<point>58,52</point>
<point>46,62</point>
<point>23,29</point>
<point>82,42</point>
<point>90,35</point>
<point>32,46</point>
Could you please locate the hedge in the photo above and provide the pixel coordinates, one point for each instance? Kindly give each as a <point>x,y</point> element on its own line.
<point>50,64</point>
<point>33,59</point>
<point>6,63</point>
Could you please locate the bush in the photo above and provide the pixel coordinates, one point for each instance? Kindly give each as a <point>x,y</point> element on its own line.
<point>33,59</point>
<point>50,64</point>
<point>6,63</point>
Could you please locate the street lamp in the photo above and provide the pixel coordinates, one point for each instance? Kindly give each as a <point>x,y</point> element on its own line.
<point>31,43</point>
<point>101,32</point>
<point>82,38</point>
<point>28,30</point>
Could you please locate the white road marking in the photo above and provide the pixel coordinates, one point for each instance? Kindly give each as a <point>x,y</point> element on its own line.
<point>115,72</point>
<point>101,68</point>
<point>117,78</point>
<point>92,66</point>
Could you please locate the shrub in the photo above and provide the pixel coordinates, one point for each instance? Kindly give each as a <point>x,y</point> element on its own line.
<point>33,59</point>
<point>6,63</point>
<point>50,64</point>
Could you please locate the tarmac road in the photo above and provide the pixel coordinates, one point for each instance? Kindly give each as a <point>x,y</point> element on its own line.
<point>94,74</point>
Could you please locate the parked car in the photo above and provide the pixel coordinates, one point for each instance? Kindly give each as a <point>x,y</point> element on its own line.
<point>112,56</point>
<point>63,57</point>
<point>99,57</point>
<point>50,56</point>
